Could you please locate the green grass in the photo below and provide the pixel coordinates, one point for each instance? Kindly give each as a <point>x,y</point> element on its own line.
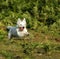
<point>37,46</point>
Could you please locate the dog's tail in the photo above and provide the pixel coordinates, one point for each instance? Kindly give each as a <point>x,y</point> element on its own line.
<point>8,28</point>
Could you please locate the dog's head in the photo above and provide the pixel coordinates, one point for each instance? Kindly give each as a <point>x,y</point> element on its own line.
<point>21,24</point>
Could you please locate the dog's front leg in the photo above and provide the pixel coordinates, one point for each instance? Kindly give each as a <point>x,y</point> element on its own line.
<point>27,33</point>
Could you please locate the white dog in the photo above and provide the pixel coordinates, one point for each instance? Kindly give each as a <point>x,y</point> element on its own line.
<point>19,31</point>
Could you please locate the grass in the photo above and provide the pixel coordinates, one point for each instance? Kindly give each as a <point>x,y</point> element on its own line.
<point>37,46</point>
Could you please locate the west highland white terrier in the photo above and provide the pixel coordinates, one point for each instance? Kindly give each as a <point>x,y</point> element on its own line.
<point>18,31</point>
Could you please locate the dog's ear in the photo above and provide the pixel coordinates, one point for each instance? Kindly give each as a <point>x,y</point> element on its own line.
<point>18,21</point>
<point>24,20</point>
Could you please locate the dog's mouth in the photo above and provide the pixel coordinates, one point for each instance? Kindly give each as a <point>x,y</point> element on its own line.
<point>21,28</point>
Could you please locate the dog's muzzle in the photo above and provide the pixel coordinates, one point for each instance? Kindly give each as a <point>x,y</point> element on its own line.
<point>21,28</point>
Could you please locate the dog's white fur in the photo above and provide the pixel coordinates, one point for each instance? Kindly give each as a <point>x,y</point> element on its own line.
<point>21,23</point>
